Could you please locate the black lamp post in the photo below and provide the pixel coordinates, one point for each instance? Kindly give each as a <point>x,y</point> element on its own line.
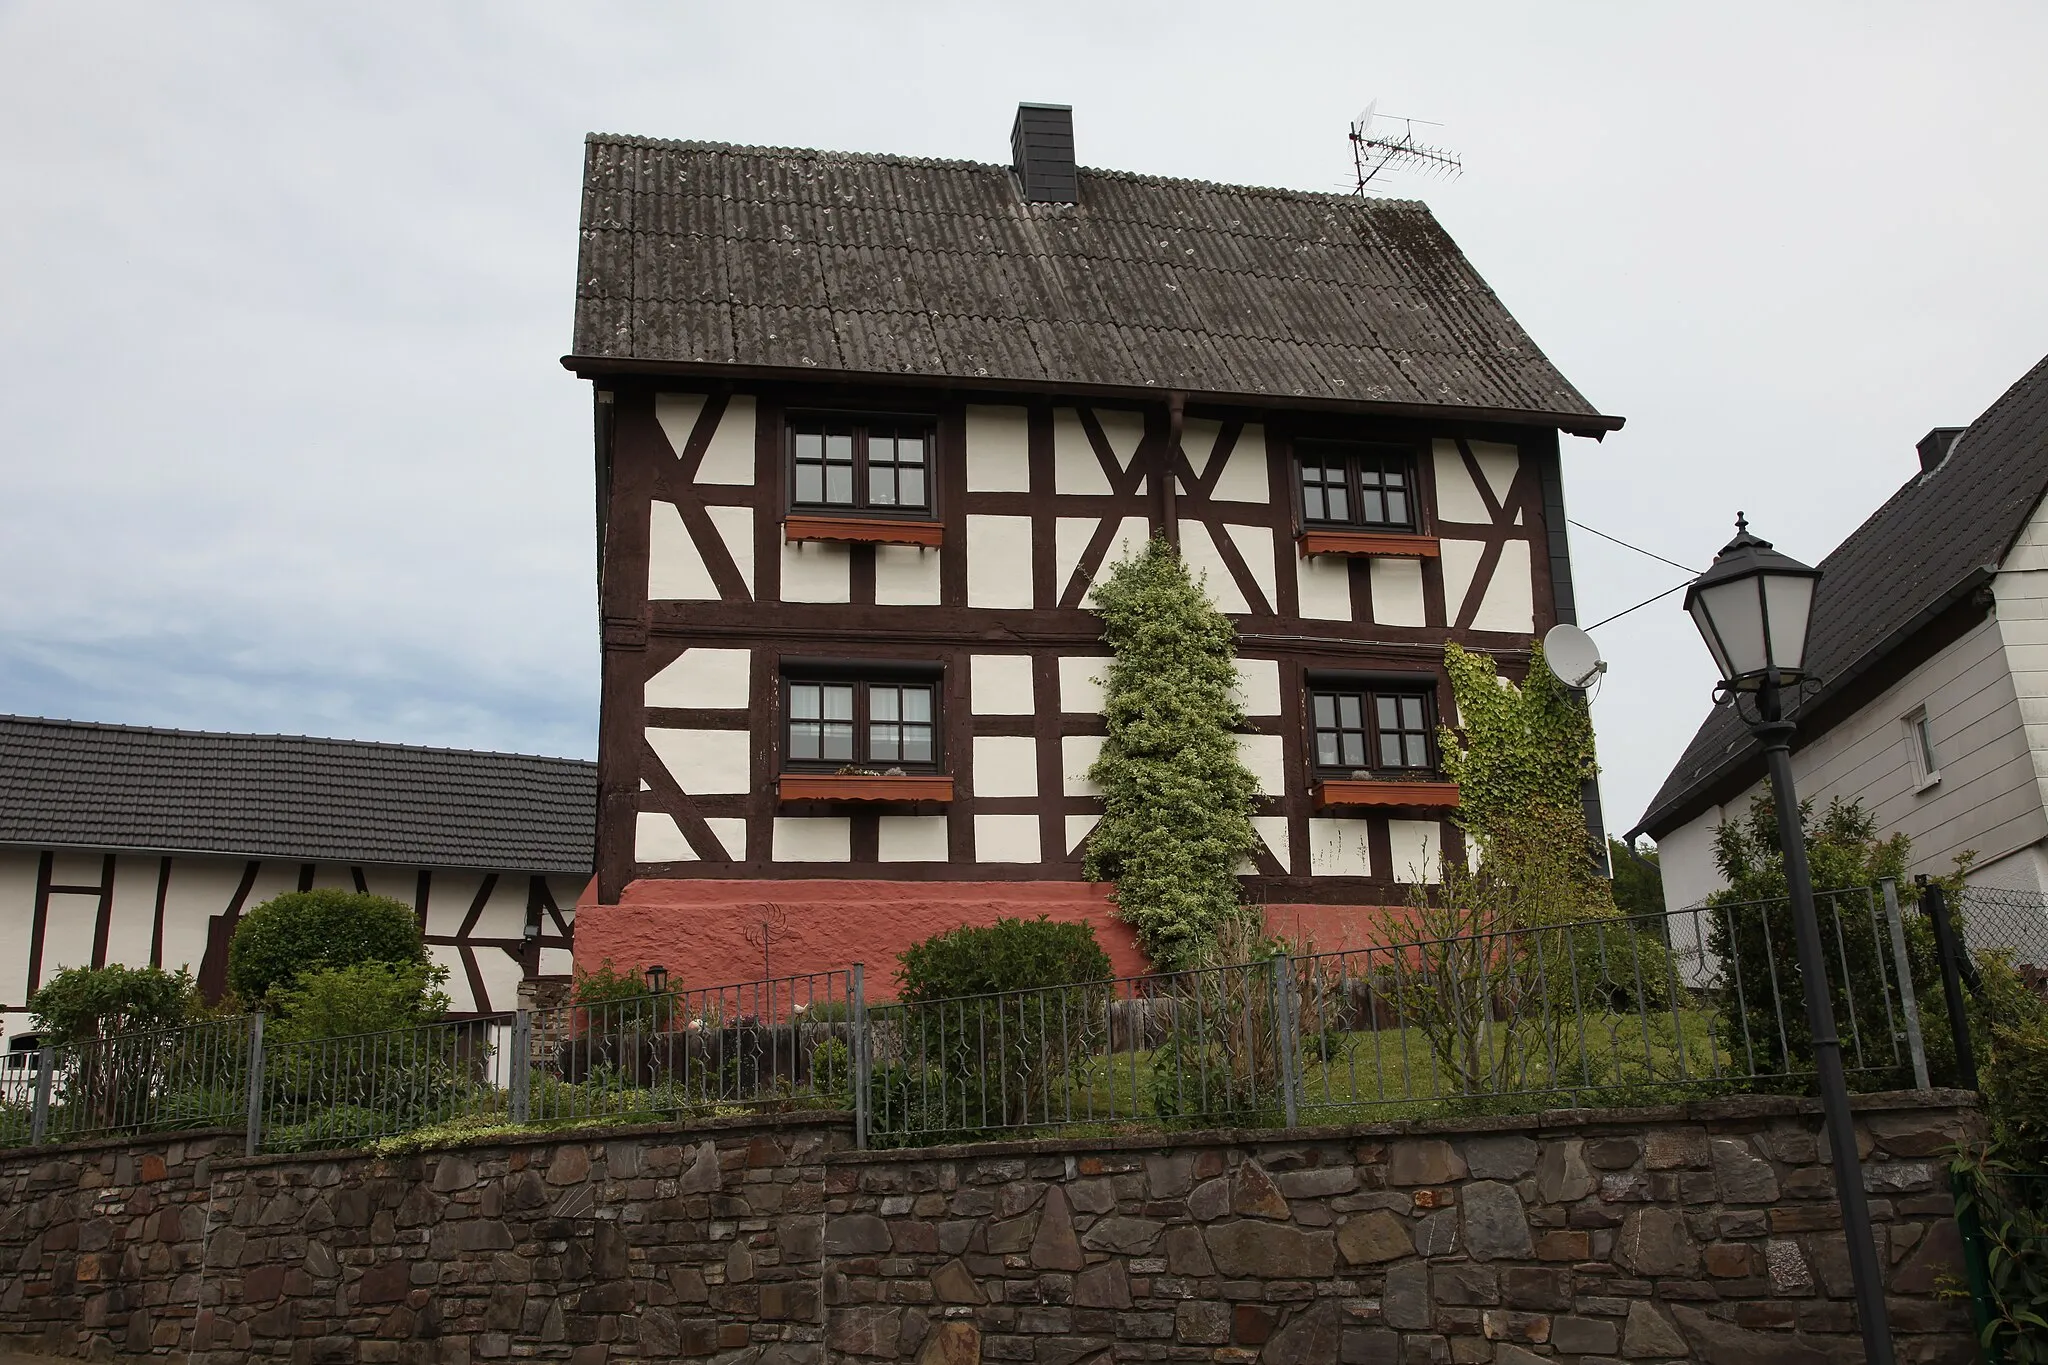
<point>1753,606</point>
<point>657,979</point>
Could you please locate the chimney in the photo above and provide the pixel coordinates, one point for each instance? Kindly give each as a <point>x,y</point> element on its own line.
<point>1042,153</point>
<point>1934,446</point>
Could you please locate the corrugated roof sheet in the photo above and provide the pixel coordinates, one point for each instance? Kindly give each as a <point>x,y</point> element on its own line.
<point>720,255</point>
<point>1929,539</point>
<point>68,783</point>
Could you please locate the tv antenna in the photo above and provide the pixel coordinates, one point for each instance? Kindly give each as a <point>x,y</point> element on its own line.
<point>1378,148</point>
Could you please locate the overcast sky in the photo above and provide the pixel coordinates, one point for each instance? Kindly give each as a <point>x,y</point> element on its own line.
<point>284,443</point>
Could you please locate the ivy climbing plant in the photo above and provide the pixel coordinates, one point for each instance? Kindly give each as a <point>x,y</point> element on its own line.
<point>1177,800</point>
<point>1516,752</point>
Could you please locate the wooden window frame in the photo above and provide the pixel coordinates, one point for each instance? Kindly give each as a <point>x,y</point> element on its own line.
<point>860,510</point>
<point>861,680</point>
<point>1353,450</point>
<point>1369,693</point>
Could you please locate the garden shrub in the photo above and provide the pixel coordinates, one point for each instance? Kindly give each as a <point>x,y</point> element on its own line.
<point>2016,1091</point>
<point>995,1018</point>
<point>365,997</point>
<point>79,1003</point>
<point>1176,799</point>
<point>608,999</point>
<point>305,931</point>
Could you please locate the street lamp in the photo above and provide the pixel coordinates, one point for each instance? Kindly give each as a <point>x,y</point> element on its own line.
<point>1753,607</point>
<point>657,979</point>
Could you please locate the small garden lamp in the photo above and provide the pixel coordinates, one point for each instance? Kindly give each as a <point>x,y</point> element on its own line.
<point>1753,607</point>
<point>657,980</point>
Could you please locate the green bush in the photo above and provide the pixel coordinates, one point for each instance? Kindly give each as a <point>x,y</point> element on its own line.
<point>305,931</point>
<point>609,1000</point>
<point>1177,800</point>
<point>99,1002</point>
<point>997,1015</point>
<point>2016,1091</point>
<point>366,997</point>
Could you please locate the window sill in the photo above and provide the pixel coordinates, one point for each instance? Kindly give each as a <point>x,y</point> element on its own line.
<point>1927,783</point>
<point>1401,544</point>
<point>863,530</point>
<point>849,787</point>
<point>1416,794</point>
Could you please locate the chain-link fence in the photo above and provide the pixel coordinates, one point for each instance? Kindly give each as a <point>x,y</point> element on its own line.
<point>2011,923</point>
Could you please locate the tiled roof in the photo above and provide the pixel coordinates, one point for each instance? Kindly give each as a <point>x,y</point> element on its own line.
<point>66,783</point>
<point>1932,539</point>
<point>713,255</point>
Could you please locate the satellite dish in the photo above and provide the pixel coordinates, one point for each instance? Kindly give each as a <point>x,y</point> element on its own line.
<point>1572,656</point>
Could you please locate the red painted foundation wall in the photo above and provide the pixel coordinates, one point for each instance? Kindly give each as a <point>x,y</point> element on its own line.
<point>699,929</point>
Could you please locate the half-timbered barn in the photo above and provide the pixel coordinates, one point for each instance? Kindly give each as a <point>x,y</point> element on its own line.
<point>136,846</point>
<point>869,428</point>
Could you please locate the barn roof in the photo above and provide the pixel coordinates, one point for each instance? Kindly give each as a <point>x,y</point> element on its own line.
<point>1934,542</point>
<point>74,784</point>
<point>708,257</point>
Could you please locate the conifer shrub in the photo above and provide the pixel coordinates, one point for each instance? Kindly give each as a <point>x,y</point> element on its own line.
<point>1177,800</point>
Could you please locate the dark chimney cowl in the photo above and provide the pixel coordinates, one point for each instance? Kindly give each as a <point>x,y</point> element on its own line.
<point>1042,153</point>
<point>1934,446</point>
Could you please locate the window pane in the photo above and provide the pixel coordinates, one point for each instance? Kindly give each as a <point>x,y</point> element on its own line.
<point>917,744</point>
<point>1339,505</point>
<point>1326,748</point>
<point>1390,751</point>
<point>910,481</point>
<point>839,483</point>
<point>1418,751</point>
<point>810,445</point>
<point>1389,713</point>
<point>1394,477</point>
<point>1312,504</point>
<point>882,744</point>
<point>910,450</point>
<point>881,449</point>
<point>810,483</point>
<point>882,703</point>
<point>1348,709</point>
<point>803,701</point>
<point>1411,713</point>
<point>839,741</point>
<point>1326,711</point>
<point>1354,750</point>
<point>838,702</point>
<point>1397,507</point>
<point>881,486</point>
<point>917,703</point>
<point>839,448</point>
<point>1372,506</point>
<point>803,739</point>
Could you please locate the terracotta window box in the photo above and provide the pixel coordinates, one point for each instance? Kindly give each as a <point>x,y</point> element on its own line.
<point>850,787</point>
<point>1369,791</point>
<point>863,530</point>
<point>1393,544</point>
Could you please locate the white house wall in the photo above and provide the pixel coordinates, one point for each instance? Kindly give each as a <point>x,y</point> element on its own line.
<point>201,887</point>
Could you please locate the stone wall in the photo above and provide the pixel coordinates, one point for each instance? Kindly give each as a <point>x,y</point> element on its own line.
<point>1705,1232</point>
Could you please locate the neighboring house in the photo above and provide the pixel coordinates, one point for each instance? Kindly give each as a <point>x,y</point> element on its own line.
<point>1930,644</point>
<point>127,845</point>
<point>869,429</point>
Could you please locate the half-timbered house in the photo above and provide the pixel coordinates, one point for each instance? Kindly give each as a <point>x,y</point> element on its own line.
<point>869,428</point>
<point>120,844</point>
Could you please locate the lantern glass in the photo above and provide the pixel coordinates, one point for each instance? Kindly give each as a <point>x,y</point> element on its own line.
<point>1731,617</point>
<point>1788,605</point>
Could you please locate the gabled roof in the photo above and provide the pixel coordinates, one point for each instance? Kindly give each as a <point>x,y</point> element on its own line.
<point>71,784</point>
<point>706,256</point>
<point>1926,549</point>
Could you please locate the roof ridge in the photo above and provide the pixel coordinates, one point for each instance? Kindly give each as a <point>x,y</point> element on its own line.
<point>955,163</point>
<point>375,744</point>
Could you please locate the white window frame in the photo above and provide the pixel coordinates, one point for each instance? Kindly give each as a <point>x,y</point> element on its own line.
<point>1920,748</point>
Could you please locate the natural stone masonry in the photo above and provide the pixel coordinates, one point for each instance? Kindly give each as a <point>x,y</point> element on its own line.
<point>1703,1233</point>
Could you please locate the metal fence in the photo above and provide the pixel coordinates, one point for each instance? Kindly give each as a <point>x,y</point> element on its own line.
<point>788,1042</point>
<point>1697,1001</point>
<point>2013,923</point>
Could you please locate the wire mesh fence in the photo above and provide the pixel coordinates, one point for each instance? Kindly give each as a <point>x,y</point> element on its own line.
<point>2014,923</point>
<point>1699,1001</point>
